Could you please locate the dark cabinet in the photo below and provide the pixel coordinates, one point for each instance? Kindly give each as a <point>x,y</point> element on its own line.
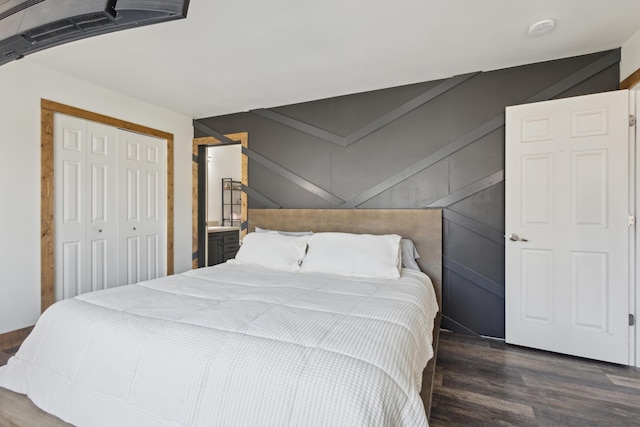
<point>223,245</point>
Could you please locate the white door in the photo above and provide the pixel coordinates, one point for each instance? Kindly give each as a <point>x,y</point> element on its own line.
<point>567,229</point>
<point>110,210</point>
<point>142,220</point>
<point>85,183</point>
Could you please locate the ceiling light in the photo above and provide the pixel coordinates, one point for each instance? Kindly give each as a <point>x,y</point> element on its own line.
<point>542,27</point>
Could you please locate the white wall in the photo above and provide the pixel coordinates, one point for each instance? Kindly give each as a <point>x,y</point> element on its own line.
<point>225,162</point>
<point>630,56</point>
<point>22,85</point>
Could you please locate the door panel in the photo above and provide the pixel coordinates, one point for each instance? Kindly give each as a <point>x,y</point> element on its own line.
<point>537,190</point>
<point>70,206</point>
<point>142,224</point>
<point>153,257</point>
<point>100,273</point>
<point>102,202</point>
<point>589,190</point>
<point>72,271</point>
<point>537,285</point>
<point>130,219</point>
<point>133,195</point>
<point>72,192</point>
<point>567,201</point>
<point>133,260</point>
<point>590,287</point>
<point>153,208</point>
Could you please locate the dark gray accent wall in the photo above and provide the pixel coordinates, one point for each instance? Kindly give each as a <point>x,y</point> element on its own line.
<point>443,148</point>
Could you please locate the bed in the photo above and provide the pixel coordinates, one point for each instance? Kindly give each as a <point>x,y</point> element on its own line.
<point>236,344</point>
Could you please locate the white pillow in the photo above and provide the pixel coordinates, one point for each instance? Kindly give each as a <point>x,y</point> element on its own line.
<point>286,233</point>
<point>362,255</point>
<point>272,250</point>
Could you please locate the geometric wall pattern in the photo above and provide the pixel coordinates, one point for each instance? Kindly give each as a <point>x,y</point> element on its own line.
<point>433,144</point>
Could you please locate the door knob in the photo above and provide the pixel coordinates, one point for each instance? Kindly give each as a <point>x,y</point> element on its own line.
<point>515,238</point>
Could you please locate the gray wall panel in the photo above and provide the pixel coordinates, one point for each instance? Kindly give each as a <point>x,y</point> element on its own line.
<point>447,152</point>
<point>477,160</point>
<point>593,84</point>
<point>486,207</point>
<point>295,151</point>
<point>415,192</point>
<point>346,114</point>
<point>475,252</point>
<point>277,188</point>
<point>388,150</point>
<point>464,300</point>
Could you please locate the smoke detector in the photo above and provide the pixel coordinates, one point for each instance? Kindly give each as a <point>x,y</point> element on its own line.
<point>542,27</point>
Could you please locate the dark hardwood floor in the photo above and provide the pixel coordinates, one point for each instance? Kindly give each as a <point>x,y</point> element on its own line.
<point>6,354</point>
<point>483,382</point>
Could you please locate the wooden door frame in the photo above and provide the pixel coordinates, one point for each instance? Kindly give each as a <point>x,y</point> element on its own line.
<point>47,206</point>
<point>243,139</point>
<point>631,81</point>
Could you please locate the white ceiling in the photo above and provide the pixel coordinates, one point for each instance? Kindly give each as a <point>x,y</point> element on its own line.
<point>236,55</point>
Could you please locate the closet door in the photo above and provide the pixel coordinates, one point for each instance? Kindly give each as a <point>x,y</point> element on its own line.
<point>86,201</point>
<point>141,218</point>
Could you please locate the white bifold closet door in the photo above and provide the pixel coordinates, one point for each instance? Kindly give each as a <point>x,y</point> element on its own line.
<point>141,216</point>
<point>110,218</point>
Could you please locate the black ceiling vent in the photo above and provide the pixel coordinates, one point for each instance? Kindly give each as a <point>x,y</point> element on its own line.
<point>30,26</point>
<point>68,27</point>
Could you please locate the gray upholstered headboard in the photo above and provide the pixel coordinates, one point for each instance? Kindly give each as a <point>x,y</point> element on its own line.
<point>423,226</point>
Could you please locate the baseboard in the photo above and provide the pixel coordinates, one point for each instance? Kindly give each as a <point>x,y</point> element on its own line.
<point>14,338</point>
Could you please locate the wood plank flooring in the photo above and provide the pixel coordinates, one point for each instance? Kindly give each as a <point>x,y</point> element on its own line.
<point>6,354</point>
<point>483,382</point>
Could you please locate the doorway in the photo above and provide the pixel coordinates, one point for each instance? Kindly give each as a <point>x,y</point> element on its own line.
<point>223,176</point>
<point>199,202</point>
<point>219,203</point>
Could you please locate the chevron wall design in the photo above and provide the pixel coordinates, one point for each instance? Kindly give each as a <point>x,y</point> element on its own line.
<point>434,144</point>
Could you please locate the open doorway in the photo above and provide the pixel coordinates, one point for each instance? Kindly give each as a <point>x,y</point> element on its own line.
<point>208,197</point>
<point>222,203</point>
<point>224,186</point>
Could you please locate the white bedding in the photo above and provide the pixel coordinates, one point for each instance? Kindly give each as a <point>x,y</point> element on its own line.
<point>233,345</point>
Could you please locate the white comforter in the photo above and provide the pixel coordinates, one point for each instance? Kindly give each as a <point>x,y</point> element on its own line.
<point>232,345</point>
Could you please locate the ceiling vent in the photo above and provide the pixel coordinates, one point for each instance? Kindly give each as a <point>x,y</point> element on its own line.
<point>33,25</point>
